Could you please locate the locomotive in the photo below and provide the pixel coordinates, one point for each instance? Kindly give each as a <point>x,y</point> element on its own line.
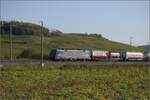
<point>96,55</point>
<point>68,54</point>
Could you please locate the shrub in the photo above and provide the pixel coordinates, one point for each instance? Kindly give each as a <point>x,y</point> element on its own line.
<point>55,33</point>
<point>27,53</point>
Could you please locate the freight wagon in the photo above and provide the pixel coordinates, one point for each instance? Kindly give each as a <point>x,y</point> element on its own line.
<point>98,55</point>
<point>147,56</point>
<point>115,56</point>
<point>132,56</point>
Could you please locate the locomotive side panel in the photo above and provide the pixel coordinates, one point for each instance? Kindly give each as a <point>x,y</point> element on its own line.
<point>73,55</point>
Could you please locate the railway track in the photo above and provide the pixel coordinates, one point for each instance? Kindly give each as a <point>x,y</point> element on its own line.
<point>48,62</point>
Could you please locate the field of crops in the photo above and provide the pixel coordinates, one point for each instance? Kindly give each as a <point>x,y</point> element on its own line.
<point>75,82</point>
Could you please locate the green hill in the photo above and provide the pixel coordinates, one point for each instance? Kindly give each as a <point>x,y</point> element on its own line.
<point>56,39</point>
<point>23,42</point>
<point>145,47</point>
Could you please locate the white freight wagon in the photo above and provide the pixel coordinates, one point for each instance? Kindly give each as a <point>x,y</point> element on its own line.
<point>115,56</point>
<point>133,56</point>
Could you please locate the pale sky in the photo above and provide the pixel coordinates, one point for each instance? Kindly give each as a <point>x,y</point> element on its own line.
<point>115,20</point>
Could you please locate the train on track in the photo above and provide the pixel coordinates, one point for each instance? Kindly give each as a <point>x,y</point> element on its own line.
<point>96,55</point>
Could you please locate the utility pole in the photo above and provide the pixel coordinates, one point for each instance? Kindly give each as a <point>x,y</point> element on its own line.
<point>149,49</point>
<point>42,64</point>
<point>10,39</point>
<point>0,42</point>
<point>131,41</point>
<point>0,35</point>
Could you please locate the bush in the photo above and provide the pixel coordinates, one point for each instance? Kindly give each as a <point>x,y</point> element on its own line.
<point>55,33</point>
<point>27,53</point>
<point>36,56</point>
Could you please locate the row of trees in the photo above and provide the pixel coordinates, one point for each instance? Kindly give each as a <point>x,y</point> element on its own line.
<point>22,28</point>
<point>88,35</point>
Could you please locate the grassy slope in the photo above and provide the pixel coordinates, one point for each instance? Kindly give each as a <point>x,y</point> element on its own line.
<point>145,47</point>
<point>74,82</point>
<point>65,41</point>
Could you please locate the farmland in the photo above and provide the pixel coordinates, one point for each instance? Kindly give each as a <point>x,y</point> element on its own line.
<point>75,82</point>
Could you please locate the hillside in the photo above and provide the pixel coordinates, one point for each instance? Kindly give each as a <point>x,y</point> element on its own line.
<point>32,43</point>
<point>27,41</point>
<point>145,47</point>
<point>25,28</point>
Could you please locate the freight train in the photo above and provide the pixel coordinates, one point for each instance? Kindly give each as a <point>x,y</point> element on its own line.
<point>96,55</point>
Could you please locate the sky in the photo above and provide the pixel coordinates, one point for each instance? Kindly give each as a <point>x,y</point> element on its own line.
<point>115,20</point>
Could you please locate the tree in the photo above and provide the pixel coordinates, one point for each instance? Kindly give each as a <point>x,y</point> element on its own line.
<point>22,28</point>
<point>55,32</point>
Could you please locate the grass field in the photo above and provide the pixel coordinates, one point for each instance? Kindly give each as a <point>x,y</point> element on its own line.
<point>64,41</point>
<point>75,82</point>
